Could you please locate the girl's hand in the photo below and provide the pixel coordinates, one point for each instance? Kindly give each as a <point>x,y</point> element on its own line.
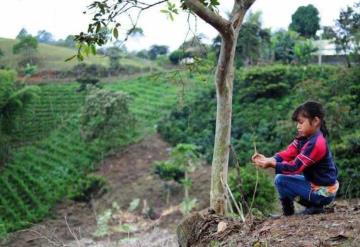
<point>256,157</point>
<point>263,162</point>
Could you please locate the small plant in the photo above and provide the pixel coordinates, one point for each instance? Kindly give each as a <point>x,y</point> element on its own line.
<point>102,223</point>
<point>184,159</point>
<point>30,69</point>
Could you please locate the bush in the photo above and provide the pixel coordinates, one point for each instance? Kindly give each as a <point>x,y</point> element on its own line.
<point>169,171</point>
<point>176,56</point>
<point>88,70</point>
<point>106,115</point>
<point>265,192</point>
<point>86,188</point>
<point>87,81</point>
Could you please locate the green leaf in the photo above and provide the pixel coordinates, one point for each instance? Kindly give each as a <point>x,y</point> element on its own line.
<point>115,33</point>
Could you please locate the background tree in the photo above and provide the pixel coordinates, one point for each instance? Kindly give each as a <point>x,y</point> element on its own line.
<point>114,53</point>
<point>347,32</point>
<point>69,41</point>
<point>22,34</point>
<point>253,41</point>
<point>303,51</point>
<point>27,48</point>
<point>283,43</point>
<point>156,50</point>
<point>306,21</point>
<point>328,33</point>
<point>44,36</point>
<point>143,54</point>
<point>224,76</point>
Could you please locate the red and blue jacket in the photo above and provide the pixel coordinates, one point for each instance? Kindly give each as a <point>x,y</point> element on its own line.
<point>311,157</point>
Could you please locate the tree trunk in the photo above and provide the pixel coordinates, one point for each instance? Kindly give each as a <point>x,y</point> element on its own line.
<point>224,84</point>
<point>229,31</point>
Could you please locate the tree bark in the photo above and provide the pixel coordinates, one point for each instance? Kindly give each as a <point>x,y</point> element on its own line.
<point>224,84</point>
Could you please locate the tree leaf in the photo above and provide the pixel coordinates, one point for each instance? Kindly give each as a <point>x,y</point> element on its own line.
<point>115,33</point>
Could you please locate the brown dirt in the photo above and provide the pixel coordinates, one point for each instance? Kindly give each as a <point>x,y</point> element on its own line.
<point>339,226</point>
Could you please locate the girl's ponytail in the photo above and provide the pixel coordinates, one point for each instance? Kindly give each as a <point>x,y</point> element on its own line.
<point>323,128</point>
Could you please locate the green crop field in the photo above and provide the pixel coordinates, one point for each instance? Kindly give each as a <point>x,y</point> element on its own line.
<point>53,166</point>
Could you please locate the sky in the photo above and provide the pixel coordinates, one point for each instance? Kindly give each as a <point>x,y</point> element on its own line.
<point>65,17</point>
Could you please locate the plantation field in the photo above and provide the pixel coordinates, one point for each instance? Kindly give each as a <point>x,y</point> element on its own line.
<point>55,165</point>
<point>50,109</point>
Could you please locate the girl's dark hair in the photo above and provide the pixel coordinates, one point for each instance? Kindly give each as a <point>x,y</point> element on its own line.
<point>310,110</point>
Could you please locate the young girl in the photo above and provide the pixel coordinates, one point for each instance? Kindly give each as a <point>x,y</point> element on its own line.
<point>305,171</point>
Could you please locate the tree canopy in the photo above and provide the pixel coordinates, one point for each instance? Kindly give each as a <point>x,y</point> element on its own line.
<point>306,21</point>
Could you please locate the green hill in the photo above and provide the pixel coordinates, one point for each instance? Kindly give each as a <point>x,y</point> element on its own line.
<point>53,57</point>
<point>56,164</point>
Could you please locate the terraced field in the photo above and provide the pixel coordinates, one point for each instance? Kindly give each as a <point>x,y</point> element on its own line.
<point>53,106</point>
<point>40,174</point>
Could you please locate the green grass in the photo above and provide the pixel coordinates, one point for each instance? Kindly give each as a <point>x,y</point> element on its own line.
<point>39,175</point>
<point>53,57</point>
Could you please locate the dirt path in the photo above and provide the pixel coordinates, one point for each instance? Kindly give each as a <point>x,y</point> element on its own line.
<point>129,176</point>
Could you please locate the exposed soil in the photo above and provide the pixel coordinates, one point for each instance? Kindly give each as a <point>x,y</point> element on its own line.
<point>153,222</point>
<point>339,226</point>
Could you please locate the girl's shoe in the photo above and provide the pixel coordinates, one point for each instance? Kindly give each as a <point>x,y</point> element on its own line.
<point>313,210</point>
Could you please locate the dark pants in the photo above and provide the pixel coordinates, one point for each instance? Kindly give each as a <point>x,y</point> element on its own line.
<point>294,187</point>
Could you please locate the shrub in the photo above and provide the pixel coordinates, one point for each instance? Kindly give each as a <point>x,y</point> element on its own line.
<point>87,81</point>
<point>168,171</point>
<point>86,188</point>
<point>106,115</point>
<point>176,56</point>
<point>88,70</point>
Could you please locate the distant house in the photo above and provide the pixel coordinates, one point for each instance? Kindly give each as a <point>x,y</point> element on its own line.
<point>187,61</point>
<point>327,53</point>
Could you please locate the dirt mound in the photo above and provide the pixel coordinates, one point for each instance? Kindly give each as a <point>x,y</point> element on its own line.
<point>340,226</point>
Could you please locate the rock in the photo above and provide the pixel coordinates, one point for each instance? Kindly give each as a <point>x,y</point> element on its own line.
<point>221,226</point>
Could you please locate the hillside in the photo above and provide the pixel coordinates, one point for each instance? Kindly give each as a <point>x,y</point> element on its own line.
<point>53,57</point>
<point>57,159</point>
<point>129,175</point>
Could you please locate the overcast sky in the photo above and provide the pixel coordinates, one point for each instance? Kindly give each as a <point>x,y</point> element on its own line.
<point>64,17</point>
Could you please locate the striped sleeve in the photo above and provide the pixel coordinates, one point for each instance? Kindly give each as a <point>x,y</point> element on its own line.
<point>312,152</point>
<point>289,153</point>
